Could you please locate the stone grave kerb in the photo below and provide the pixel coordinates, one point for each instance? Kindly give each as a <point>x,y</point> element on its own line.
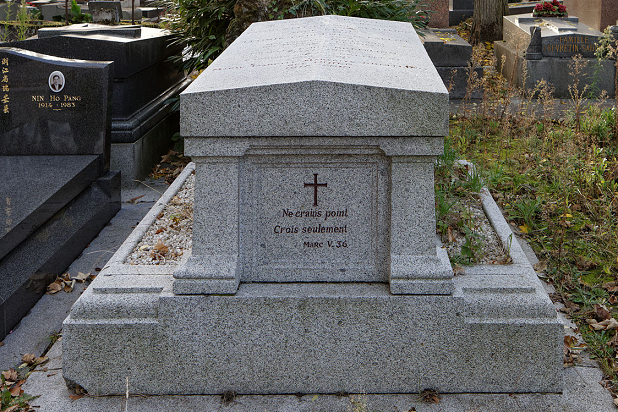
<point>345,109</point>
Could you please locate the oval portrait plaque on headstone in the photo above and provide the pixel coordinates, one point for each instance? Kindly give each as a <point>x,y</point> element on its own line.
<point>56,81</point>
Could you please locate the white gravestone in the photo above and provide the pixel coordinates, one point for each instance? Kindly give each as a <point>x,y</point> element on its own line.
<point>315,266</point>
<point>315,141</point>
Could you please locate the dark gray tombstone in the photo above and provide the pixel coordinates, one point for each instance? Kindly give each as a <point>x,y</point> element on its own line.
<point>57,189</point>
<point>451,55</point>
<point>542,48</point>
<point>144,79</point>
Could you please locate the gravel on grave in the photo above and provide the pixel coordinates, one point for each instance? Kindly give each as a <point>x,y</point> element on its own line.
<point>491,251</point>
<point>170,235</point>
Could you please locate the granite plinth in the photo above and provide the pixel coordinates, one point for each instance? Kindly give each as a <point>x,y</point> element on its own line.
<point>29,267</point>
<point>497,332</point>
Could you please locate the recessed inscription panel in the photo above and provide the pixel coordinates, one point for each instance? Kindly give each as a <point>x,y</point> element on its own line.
<point>317,221</point>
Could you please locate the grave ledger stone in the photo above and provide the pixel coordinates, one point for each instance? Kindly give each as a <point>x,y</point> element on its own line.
<point>57,190</point>
<point>549,59</point>
<point>315,266</point>
<point>144,82</point>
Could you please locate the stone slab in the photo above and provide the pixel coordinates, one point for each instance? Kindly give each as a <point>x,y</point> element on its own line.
<point>28,268</point>
<point>32,334</point>
<point>554,70</point>
<point>38,188</point>
<point>142,73</point>
<point>263,86</point>
<point>582,393</point>
<point>87,41</point>
<point>136,159</point>
<point>446,48</point>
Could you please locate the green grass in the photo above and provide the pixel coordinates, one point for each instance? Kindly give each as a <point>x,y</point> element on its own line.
<point>559,187</point>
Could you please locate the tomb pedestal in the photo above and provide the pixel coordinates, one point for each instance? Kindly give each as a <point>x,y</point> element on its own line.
<point>315,266</point>
<point>58,191</point>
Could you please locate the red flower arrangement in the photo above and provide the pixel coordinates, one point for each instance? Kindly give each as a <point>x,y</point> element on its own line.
<point>550,9</point>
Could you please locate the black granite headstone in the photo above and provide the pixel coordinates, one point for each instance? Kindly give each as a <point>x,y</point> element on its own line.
<point>57,190</point>
<point>53,106</point>
<point>145,81</point>
<point>142,70</point>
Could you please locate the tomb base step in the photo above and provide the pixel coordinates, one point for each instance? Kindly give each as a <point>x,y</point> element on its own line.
<point>312,338</point>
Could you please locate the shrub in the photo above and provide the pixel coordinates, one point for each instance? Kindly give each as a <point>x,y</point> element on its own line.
<point>208,26</point>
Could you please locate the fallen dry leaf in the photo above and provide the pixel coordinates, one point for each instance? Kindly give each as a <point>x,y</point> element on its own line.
<point>458,270</point>
<point>135,199</point>
<point>10,375</point>
<point>75,397</point>
<point>12,408</point>
<point>449,232</point>
<point>16,389</point>
<point>607,324</point>
<point>430,396</point>
<point>28,358</point>
<point>161,248</point>
<point>616,401</point>
<point>68,286</point>
<point>81,277</point>
<point>601,312</point>
<point>570,341</point>
<point>55,287</point>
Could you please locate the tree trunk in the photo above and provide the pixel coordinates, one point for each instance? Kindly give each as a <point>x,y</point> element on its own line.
<point>487,20</point>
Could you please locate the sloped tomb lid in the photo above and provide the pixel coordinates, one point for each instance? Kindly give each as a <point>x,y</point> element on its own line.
<point>319,76</point>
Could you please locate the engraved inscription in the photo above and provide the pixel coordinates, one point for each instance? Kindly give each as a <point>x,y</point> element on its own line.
<point>315,221</point>
<point>55,102</point>
<point>569,45</point>
<point>4,81</point>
